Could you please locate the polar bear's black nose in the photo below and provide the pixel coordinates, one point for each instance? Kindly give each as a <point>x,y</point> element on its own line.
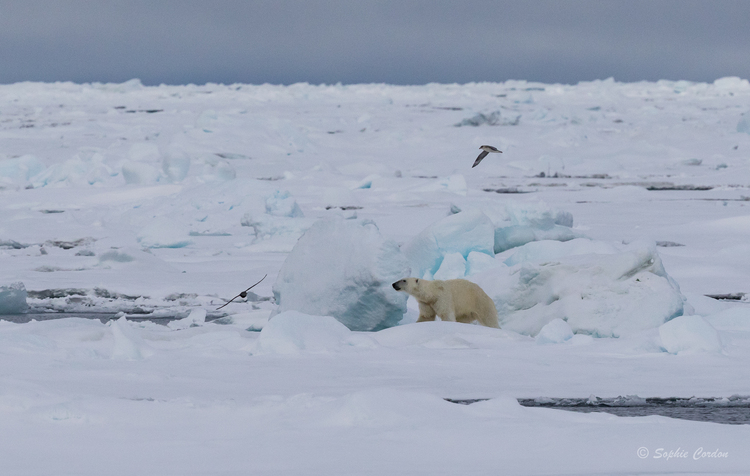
<point>395,286</point>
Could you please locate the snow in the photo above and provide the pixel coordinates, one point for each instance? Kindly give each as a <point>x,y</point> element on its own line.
<point>291,332</point>
<point>166,202</point>
<point>554,332</point>
<point>344,269</point>
<point>552,250</point>
<point>163,233</point>
<point>736,318</point>
<point>689,334</point>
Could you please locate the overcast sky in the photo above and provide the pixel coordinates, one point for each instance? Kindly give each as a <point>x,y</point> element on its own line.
<point>358,41</point>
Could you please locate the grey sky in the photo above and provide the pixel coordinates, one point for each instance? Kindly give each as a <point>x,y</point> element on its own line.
<point>355,41</point>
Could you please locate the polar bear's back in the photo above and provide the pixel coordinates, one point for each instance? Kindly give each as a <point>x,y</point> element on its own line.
<point>471,302</point>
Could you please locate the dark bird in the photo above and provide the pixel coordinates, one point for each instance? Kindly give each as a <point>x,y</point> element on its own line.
<point>486,149</point>
<point>243,294</point>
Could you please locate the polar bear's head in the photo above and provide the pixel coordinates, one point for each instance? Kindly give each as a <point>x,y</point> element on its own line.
<point>422,289</point>
<point>408,285</point>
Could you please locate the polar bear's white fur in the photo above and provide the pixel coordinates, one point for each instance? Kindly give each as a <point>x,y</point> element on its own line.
<point>454,300</point>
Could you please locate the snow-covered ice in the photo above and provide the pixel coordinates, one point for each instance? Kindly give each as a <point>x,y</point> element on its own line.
<point>604,295</point>
<point>689,334</point>
<point>554,332</point>
<point>613,211</point>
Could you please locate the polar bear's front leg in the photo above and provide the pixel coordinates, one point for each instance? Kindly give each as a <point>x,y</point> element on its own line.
<point>449,316</point>
<point>426,313</point>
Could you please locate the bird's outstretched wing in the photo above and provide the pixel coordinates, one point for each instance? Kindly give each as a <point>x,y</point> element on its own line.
<point>243,294</point>
<point>481,156</point>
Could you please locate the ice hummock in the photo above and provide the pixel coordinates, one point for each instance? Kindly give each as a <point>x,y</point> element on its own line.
<point>13,298</point>
<point>291,332</point>
<point>282,204</point>
<point>689,334</point>
<point>19,170</point>
<point>527,222</point>
<point>344,268</point>
<point>554,332</point>
<point>465,232</point>
<point>604,295</point>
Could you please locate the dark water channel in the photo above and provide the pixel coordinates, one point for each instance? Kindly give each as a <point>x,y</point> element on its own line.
<point>734,410</point>
<point>101,316</point>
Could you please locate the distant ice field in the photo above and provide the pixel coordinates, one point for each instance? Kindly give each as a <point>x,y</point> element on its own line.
<point>613,212</point>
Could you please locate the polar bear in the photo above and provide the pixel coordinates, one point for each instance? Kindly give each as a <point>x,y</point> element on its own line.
<point>454,300</point>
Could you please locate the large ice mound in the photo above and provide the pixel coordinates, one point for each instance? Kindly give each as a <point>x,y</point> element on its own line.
<point>344,268</point>
<point>462,233</point>
<point>13,298</point>
<point>604,295</point>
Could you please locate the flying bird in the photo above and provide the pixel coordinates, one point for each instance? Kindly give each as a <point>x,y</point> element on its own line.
<point>486,149</point>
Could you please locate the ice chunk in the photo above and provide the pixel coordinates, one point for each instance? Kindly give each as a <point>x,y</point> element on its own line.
<point>176,163</point>
<point>513,236</point>
<point>116,256</point>
<point>126,87</point>
<point>491,119</point>
<point>554,332</point>
<point>452,267</point>
<point>140,173</point>
<point>127,344</point>
<point>602,295</point>
<point>163,233</point>
<point>291,332</point>
<point>744,124</point>
<point>282,204</point>
<point>477,262</point>
<point>196,318</point>
<point>144,152</point>
<point>268,226</point>
<point>13,298</point>
<point>366,182</point>
<point>87,167</point>
<point>527,222</point>
<point>689,334</point>
<point>20,169</point>
<point>535,215</point>
<point>464,232</point>
<point>344,268</point>
<point>283,222</point>
<point>731,83</point>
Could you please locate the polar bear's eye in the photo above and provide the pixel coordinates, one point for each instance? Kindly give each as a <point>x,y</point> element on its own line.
<point>417,281</point>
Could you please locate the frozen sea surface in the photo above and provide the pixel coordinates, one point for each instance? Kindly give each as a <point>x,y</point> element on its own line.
<point>137,204</point>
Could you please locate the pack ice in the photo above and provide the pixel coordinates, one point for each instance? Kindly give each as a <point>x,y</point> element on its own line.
<point>595,287</point>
